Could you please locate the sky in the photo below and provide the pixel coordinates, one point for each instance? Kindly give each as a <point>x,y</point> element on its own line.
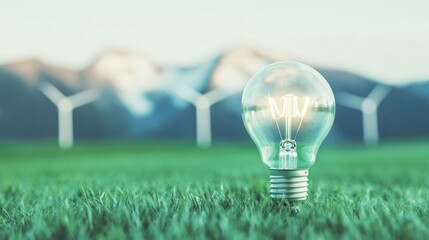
<point>386,40</point>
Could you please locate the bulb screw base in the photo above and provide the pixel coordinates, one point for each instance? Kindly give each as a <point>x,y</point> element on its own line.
<point>289,184</point>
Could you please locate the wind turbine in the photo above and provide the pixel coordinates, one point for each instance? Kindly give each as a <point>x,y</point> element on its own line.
<point>369,106</point>
<point>202,103</point>
<point>65,106</point>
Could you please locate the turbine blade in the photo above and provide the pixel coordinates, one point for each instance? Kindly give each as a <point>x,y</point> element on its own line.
<point>51,92</point>
<point>379,93</point>
<point>85,97</point>
<point>218,95</point>
<point>349,100</point>
<point>186,93</point>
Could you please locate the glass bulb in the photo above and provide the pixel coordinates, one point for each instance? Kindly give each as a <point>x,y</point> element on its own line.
<point>288,108</point>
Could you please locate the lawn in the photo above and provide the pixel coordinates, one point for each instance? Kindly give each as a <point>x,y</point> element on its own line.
<point>170,190</point>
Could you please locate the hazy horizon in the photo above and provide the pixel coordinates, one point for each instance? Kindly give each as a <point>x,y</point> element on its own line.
<point>383,40</point>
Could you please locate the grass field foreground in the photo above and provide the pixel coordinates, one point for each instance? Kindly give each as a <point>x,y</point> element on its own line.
<point>170,190</point>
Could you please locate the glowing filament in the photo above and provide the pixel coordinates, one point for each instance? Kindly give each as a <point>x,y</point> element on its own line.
<point>288,106</point>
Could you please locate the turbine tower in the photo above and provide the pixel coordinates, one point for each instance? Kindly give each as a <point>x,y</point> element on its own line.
<point>369,107</point>
<point>202,103</point>
<point>65,106</point>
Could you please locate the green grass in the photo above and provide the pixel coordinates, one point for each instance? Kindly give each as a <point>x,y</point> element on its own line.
<point>150,190</point>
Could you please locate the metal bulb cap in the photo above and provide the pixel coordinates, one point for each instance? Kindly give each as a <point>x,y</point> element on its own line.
<point>289,184</point>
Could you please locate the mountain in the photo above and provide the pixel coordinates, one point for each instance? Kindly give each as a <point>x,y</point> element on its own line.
<point>421,89</point>
<point>142,99</point>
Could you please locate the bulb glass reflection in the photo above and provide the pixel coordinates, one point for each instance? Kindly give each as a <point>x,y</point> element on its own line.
<point>288,108</point>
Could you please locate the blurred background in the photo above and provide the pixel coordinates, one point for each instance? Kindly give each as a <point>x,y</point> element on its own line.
<point>101,70</point>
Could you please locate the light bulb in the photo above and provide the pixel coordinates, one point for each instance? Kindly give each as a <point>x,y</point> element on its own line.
<point>288,108</point>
